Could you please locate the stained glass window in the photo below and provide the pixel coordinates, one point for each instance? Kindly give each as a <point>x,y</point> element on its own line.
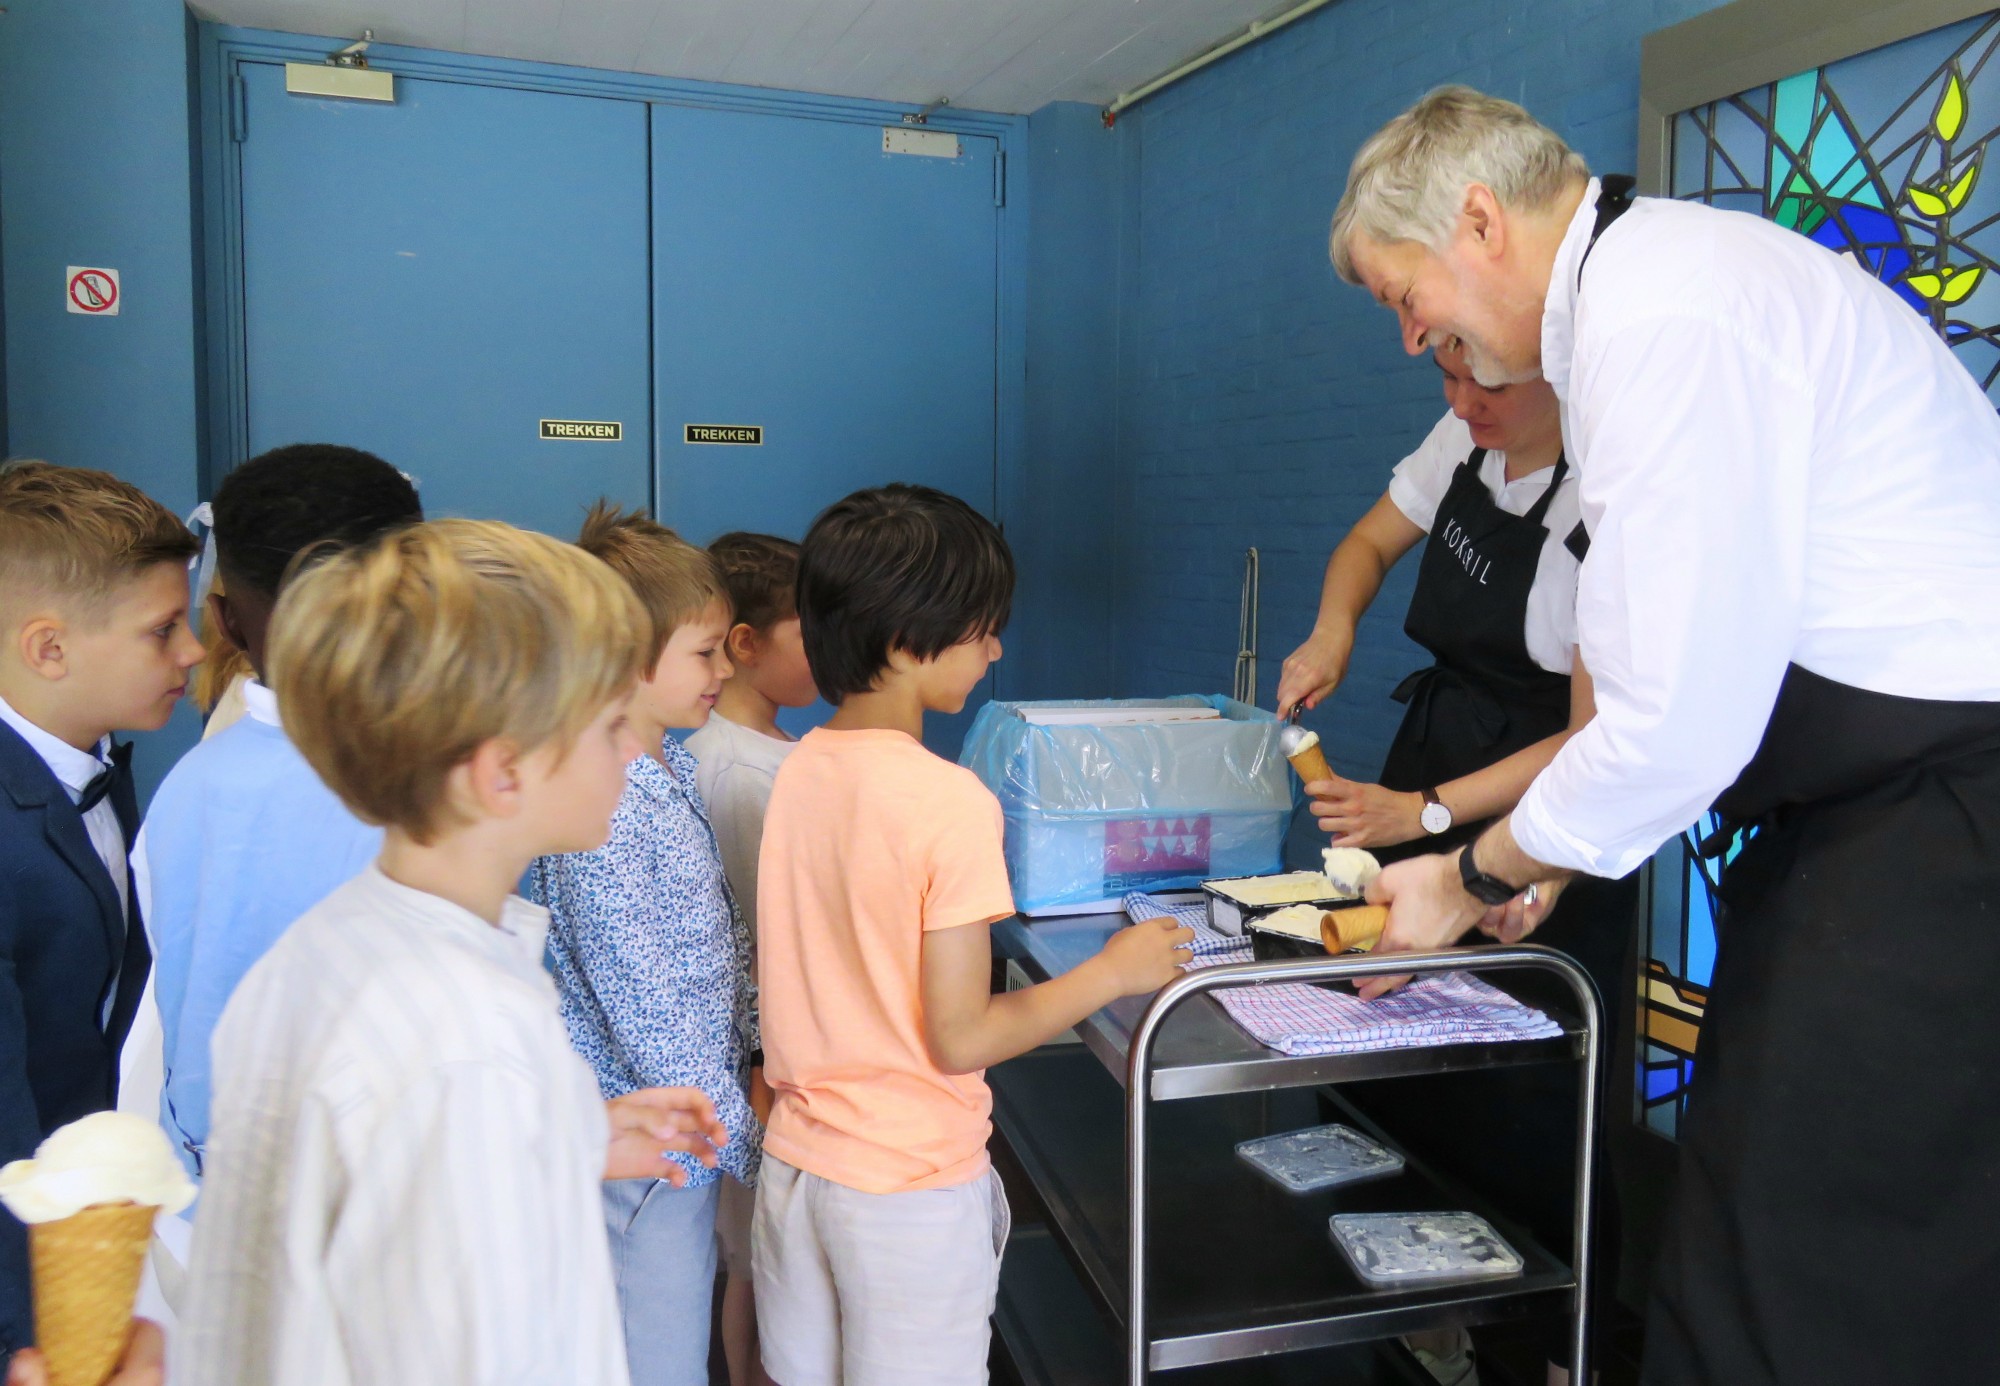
<point>1879,157</point>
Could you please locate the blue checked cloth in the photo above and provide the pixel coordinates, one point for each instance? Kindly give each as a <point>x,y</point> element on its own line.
<point>1299,1019</point>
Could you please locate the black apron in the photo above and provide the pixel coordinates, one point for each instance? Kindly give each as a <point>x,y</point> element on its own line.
<point>1507,1133</point>
<point>1838,1210</point>
<point>1485,697</point>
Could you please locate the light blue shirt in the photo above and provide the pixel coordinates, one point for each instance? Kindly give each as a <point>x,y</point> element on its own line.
<point>652,957</point>
<point>241,840</point>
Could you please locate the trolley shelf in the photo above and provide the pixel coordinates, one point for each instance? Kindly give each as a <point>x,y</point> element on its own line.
<point>1201,1052</point>
<point>1237,1267</point>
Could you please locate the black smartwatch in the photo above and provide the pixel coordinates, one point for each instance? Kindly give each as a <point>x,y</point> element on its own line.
<point>1488,890</point>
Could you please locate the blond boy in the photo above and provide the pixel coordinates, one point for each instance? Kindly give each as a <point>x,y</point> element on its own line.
<point>93,610</point>
<point>405,1156</point>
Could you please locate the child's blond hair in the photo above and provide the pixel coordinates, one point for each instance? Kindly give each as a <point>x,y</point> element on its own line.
<point>71,537</point>
<point>394,662</point>
<point>673,580</point>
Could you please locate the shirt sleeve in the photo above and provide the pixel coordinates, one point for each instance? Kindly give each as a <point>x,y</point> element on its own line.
<point>967,879</point>
<point>1695,488</point>
<point>448,1249</point>
<point>1420,480</point>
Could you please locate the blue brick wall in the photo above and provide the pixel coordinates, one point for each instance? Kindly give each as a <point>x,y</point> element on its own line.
<point>1261,401</point>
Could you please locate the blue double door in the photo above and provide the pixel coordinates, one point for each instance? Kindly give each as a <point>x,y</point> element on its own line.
<point>433,280</point>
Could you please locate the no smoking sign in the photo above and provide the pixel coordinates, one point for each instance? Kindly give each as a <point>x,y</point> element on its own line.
<point>93,291</point>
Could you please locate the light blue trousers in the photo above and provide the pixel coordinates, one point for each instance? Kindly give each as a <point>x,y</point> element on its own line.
<point>663,1254</point>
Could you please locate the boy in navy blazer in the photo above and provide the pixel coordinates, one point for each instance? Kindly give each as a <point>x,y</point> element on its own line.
<point>93,638</point>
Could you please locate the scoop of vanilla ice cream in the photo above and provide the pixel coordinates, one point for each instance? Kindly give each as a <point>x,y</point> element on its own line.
<point>107,1157</point>
<point>1352,869</point>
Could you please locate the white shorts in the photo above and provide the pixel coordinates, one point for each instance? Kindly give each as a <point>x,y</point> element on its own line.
<point>858,1289</point>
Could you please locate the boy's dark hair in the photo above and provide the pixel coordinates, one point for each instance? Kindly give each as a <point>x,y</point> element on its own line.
<point>897,568</point>
<point>289,499</point>
<point>762,571</point>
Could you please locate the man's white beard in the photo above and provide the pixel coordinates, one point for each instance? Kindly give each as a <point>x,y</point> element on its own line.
<point>1486,368</point>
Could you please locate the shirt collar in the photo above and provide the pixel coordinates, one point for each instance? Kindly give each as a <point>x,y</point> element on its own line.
<point>260,703</point>
<point>519,939</point>
<point>73,768</point>
<point>1559,307</point>
<point>674,779</point>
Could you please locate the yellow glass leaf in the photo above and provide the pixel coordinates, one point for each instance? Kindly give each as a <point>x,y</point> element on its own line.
<point>1951,109</point>
<point>1961,283</point>
<point>1926,202</point>
<point>1926,285</point>
<point>1962,189</point>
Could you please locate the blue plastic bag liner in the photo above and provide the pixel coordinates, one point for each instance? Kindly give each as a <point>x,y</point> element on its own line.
<point>1095,810</point>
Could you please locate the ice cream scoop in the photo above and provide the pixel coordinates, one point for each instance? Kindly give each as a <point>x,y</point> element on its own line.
<point>108,1157</point>
<point>1301,748</point>
<point>89,1198</point>
<point>1351,869</point>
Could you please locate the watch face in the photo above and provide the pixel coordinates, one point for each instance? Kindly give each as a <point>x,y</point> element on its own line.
<point>1435,817</point>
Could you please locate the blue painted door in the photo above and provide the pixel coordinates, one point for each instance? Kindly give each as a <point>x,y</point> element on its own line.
<point>431,279</point>
<point>840,297</point>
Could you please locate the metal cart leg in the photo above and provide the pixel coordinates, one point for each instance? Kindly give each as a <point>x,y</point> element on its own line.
<point>1138,1095</point>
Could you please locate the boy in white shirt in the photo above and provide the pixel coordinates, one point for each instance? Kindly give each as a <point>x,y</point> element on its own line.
<point>404,1152</point>
<point>739,750</point>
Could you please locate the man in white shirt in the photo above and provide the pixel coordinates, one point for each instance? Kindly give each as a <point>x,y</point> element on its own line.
<point>1791,609</point>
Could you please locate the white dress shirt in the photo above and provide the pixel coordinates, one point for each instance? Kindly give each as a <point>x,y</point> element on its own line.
<point>1418,487</point>
<point>1781,463</point>
<point>404,1162</point>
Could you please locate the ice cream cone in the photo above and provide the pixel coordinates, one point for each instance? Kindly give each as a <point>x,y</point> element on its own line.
<point>86,1269</point>
<point>1311,764</point>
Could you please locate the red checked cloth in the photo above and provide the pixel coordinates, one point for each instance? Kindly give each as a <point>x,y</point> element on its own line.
<point>1298,1019</point>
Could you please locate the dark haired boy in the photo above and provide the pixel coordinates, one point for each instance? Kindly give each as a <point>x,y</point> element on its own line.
<point>243,837</point>
<point>93,611</point>
<point>879,1222</point>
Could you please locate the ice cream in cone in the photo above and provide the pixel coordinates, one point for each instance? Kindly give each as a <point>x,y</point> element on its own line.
<point>1301,748</point>
<point>89,1197</point>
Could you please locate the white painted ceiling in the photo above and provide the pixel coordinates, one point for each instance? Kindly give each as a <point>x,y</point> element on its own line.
<point>993,55</point>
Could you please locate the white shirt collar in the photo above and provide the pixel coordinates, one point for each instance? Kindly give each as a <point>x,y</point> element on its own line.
<point>74,768</point>
<point>1559,307</point>
<point>520,938</point>
<point>260,703</point>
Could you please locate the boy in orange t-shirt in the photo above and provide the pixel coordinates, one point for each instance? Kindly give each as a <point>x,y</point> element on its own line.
<point>879,1222</point>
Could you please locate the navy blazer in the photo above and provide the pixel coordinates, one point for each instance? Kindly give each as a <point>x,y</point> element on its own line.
<point>62,940</point>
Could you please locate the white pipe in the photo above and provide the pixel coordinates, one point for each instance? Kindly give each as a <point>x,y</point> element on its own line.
<point>1258,29</point>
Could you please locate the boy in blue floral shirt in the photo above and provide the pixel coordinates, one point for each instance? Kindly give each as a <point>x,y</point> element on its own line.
<point>652,956</point>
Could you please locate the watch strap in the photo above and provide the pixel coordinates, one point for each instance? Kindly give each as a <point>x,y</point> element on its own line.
<point>1488,890</point>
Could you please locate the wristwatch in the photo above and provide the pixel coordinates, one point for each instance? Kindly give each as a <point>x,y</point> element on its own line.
<point>1435,817</point>
<point>1488,890</point>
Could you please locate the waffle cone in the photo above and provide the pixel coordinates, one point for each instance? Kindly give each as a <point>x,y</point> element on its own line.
<point>86,1271</point>
<point>1311,765</point>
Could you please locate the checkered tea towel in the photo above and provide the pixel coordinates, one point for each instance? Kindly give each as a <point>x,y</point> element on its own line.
<point>1299,1019</point>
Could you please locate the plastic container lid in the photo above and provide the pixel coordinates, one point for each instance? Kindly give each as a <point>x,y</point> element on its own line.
<point>1320,1157</point>
<point>1392,1249</point>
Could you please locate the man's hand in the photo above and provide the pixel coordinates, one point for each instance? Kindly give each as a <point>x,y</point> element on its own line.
<point>1314,670</point>
<point>1428,909</point>
<point>650,1124</point>
<point>1521,916</point>
<point>144,1362</point>
<point>1148,955</point>
<point>1365,815</point>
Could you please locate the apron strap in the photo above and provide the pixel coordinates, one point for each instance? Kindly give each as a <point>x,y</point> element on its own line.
<point>1614,199</point>
<point>1538,514</point>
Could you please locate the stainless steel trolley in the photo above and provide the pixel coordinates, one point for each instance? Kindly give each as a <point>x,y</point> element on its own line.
<point>1246,1271</point>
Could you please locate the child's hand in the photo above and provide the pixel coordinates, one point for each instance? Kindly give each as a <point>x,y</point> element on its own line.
<point>1148,955</point>
<point>143,1363</point>
<point>648,1125</point>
